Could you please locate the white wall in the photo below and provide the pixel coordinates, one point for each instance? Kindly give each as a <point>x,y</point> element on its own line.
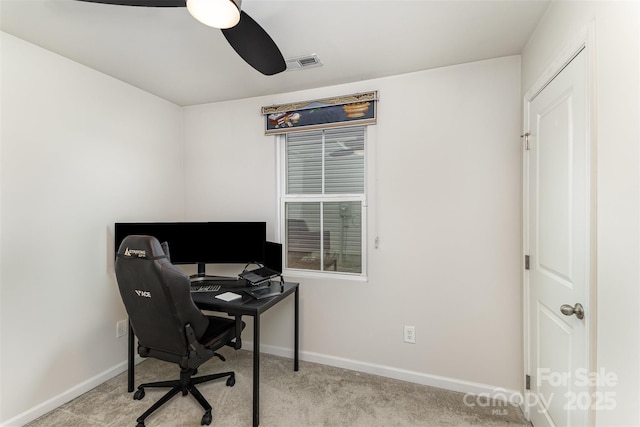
<point>79,151</point>
<point>617,111</point>
<point>446,197</point>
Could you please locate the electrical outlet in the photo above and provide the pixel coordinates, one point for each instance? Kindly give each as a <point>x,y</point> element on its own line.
<point>410,334</point>
<point>122,327</point>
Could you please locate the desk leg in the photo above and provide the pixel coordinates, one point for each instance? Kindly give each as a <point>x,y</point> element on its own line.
<point>296,332</point>
<point>131,367</point>
<point>256,369</point>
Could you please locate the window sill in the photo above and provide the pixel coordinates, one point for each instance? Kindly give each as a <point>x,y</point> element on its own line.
<point>326,275</point>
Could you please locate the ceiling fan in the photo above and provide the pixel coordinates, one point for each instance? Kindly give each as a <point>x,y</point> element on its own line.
<point>245,35</point>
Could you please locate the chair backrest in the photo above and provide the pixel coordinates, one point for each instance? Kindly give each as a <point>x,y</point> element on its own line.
<point>157,296</point>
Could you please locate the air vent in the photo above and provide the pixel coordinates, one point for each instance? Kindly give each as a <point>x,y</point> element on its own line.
<point>303,62</point>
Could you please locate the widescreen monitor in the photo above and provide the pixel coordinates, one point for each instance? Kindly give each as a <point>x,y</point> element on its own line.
<point>203,242</point>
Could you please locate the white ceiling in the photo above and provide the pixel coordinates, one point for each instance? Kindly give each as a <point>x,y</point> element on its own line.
<point>168,53</point>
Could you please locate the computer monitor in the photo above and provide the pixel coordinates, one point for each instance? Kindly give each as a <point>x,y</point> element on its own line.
<point>273,256</point>
<point>203,242</point>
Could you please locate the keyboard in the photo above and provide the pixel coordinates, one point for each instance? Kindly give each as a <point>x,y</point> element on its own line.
<point>204,287</point>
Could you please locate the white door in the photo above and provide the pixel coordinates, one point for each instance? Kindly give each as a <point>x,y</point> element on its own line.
<point>558,227</point>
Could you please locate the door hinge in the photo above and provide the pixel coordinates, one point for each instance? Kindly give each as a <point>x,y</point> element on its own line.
<point>527,382</point>
<point>526,140</point>
<point>527,262</point>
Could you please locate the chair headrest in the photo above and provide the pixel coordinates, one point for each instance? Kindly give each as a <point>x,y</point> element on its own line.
<point>141,247</point>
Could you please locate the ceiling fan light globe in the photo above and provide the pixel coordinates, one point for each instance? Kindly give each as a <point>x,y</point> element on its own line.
<point>215,13</point>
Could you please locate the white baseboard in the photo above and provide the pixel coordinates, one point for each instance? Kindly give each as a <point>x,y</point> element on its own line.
<point>68,395</point>
<point>451,384</point>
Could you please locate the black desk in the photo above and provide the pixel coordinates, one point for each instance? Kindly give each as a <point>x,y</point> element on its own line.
<point>247,307</point>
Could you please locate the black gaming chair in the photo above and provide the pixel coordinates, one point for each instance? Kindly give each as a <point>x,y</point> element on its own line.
<point>167,323</point>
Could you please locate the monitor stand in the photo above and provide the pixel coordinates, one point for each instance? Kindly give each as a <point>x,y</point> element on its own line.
<point>202,276</point>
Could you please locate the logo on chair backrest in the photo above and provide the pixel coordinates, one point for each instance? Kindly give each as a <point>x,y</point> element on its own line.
<point>145,294</point>
<point>140,253</point>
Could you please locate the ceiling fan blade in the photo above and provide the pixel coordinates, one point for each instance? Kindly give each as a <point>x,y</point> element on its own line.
<point>148,3</point>
<point>255,46</point>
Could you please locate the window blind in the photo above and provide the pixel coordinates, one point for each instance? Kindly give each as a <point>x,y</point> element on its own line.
<point>326,162</point>
<point>323,200</point>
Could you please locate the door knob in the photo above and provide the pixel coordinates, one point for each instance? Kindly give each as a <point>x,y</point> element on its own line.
<point>578,310</point>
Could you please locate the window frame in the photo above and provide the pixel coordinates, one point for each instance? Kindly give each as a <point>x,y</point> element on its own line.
<point>284,198</point>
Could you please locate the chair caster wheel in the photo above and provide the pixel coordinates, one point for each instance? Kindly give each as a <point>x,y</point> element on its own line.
<point>231,381</point>
<point>206,418</point>
<point>140,424</point>
<point>138,395</point>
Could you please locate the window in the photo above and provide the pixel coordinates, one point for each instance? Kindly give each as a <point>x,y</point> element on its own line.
<point>324,200</point>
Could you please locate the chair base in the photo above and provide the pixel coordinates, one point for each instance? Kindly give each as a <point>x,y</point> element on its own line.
<point>186,384</point>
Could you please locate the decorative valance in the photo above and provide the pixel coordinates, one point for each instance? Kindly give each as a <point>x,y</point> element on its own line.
<point>350,110</point>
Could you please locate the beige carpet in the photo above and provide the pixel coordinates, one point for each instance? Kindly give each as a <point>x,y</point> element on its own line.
<point>316,395</point>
